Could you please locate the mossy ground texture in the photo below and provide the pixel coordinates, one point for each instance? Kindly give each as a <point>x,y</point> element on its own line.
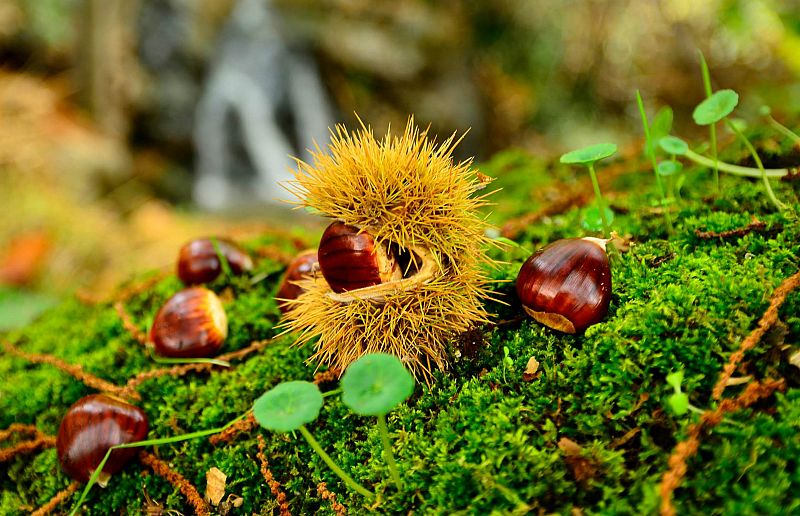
<point>482,439</point>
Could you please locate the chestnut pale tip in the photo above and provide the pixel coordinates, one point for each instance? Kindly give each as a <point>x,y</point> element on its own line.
<point>567,284</point>
<point>191,324</point>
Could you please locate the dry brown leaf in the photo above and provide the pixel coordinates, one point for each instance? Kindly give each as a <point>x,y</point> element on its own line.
<point>531,368</point>
<point>215,485</point>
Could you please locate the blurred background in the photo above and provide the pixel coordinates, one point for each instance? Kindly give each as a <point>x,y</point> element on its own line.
<point>129,126</point>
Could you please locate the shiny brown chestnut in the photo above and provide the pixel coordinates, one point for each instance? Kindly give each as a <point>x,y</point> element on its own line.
<point>349,259</point>
<point>90,427</point>
<point>567,284</point>
<point>191,324</point>
<point>304,265</point>
<point>198,261</point>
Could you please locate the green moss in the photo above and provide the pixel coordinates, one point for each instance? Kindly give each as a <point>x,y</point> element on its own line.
<point>481,439</point>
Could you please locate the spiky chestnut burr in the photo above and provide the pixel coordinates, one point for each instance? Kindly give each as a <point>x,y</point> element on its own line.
<point>198,260</point>
<point>567,284</point>
<point>304,266</point>
<point>408,195</point>
<point>191,324</point>
<point>90,427</point>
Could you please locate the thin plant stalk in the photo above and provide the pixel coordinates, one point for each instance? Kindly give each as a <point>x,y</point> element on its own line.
<point>139,444</point>
<point>736,170</point>
<point>223,261</point>
<point>713,127</point>
<point>173,361</point>
<point>600,204</point>
<point>783,129</point>
<point>651,152</point>
<point>336,469</point>
<point>387,451</point>
<point>760,165</point>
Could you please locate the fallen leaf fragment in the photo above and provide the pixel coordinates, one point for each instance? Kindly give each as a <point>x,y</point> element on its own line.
<point>215,485</point>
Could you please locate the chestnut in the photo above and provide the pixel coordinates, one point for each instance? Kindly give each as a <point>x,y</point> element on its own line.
<point>567,284</point>
<point>191,324</point>
<point>303,265</point>
<point>198,261</point>
<point>350,259</point>
<point>90,427</point>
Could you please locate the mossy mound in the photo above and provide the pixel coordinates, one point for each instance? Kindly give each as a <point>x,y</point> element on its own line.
<point>483,439</point>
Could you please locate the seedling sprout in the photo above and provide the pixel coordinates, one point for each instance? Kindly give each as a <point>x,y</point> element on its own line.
<point>288,407</point>
<point>712,127</point>
<point>649,145</point>
<point>767,113</point>
<point>587,157</point>
<point>372,386</point>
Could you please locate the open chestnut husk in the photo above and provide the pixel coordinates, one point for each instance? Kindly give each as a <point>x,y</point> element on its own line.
<point>350,259</point>
<point>567,284</point>
<point>198,260</point>
<point>304,265</point>
<point>90,427</point>
<point>191,324</point>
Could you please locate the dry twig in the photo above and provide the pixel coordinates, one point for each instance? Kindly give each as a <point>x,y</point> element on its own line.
<point>129,325</point>
<point>688,448</point>
<point>767,320</point>
<point>274,485</point>
<point>56,500</point>
<point>326,494</point>
<point>177,480</point>
<point>75,371</point>
<point>239,427</point>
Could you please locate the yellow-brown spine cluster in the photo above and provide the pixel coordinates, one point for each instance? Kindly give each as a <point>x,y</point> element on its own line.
<point>407,192</point>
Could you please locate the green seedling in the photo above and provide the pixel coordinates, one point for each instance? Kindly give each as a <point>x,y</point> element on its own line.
<point>290,406</point>
<point>712,125</point>
<point>678,147</point>
<point>139,444</point>
<point>767,113</point>
<point>372,386</point>
<point>587,157</point>
<point>679,400</point>
<point>650,147</point>
<point>223,261</point>
<point>507,361</point>
<point>716,108</point>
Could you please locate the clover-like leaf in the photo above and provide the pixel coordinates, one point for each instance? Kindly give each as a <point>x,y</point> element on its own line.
<point>668,168</point>
<point>592,221</point>
<point>673,145</point>
<point>288,406</point>
<point>679,403</point>
<point>589,154</point>
<point>716,107</point>
<point>675,379</point>
<point>375,384</point>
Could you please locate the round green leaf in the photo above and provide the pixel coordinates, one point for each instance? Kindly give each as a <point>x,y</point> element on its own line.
<point>673,145</point>
<point>668,168</point>
<point>716,107</point>
<point>592,221</point>
<point>288,406</point>
<point>375,384</point>
<point>589,154</point>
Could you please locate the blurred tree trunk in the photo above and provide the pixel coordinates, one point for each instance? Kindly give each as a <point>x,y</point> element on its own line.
<point>106,69</point>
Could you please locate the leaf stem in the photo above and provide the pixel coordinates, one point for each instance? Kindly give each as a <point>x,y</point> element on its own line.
<point>223,261</point>
<point>735,170</point>
<point>166,360</point>
<point>387,451</point>
<point>760,165</point>
<point>713,127</point>
<point>601,207</point>
<point>147,442</point>
<point>651,152</point>
<point>336,469</point>
<point>783,129</point>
